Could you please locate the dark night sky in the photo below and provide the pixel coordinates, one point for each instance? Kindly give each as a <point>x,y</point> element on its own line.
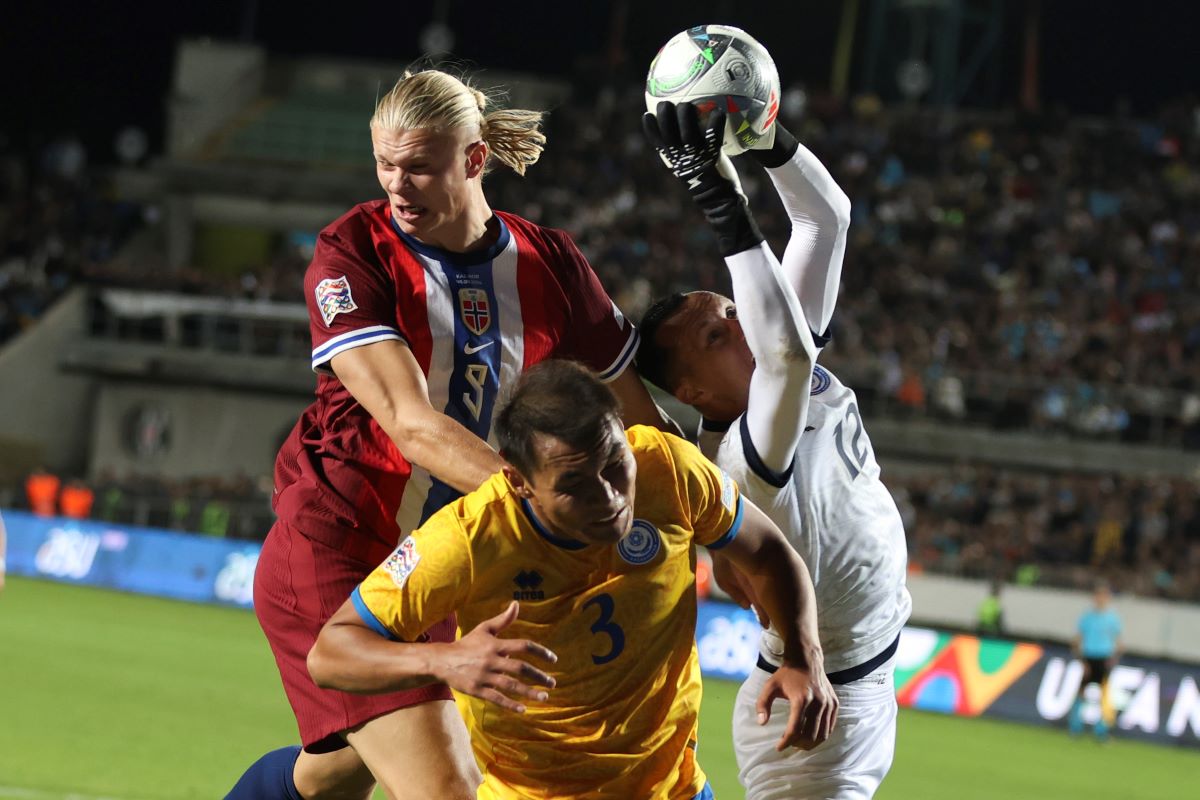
<point>107,64</point>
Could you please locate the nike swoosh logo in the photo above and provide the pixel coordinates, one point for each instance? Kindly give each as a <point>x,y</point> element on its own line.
<point>469,350</point>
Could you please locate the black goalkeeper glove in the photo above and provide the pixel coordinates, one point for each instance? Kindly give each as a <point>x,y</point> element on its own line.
<point>694,156</point>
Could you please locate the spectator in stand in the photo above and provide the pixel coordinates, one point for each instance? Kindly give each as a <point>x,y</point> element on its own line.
<point>990,616</point>
<point>41,490</point>
<point>214,519</point>
<point>76,499</point>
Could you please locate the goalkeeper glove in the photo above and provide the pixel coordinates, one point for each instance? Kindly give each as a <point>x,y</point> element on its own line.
<point>694,156</point>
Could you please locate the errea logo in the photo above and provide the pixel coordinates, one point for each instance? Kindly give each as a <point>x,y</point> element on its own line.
<point>527,586</point>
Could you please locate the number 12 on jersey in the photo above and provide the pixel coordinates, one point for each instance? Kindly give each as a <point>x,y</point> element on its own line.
<point>855,455</point>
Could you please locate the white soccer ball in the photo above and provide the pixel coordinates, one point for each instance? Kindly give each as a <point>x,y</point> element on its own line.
<point>715,66</point>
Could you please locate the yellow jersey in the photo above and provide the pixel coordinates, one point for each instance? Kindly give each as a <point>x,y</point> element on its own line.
<point>621,721</point>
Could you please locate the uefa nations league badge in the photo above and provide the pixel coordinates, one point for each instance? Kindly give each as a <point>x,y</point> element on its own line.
<point>641,544</point>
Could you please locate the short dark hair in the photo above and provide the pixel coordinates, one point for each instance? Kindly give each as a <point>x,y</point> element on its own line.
<point>654,360</point>
<point>558,398</point>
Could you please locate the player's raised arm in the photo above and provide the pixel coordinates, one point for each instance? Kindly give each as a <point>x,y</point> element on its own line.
<point>820,214</point>
<point>767,307</point>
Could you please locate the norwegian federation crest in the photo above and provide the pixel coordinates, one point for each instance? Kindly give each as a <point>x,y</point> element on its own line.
<point>333,298</point>
<point>475,309</point>
<point>641,544</point>
<point>402,562</point>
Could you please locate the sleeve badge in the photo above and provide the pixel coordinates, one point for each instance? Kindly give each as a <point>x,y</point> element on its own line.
<point>728,491</point>
<point>333,298</point>
<point>402,562</point>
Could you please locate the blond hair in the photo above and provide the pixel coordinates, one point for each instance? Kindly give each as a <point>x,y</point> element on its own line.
<point>436,100</point>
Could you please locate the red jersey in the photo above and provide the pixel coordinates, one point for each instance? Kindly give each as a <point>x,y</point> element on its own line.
<point>474,321</point>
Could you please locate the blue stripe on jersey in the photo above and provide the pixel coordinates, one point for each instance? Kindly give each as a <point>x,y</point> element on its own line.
<point>557,541</point>
<point>706,793</point>
<point>369,617</point>
<point>623,360</point>
<point>475,379</point>
<point>347,341</point>
<point>732,533</point>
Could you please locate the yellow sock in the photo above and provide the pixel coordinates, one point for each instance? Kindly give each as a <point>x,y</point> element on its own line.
<point>1106,709</point>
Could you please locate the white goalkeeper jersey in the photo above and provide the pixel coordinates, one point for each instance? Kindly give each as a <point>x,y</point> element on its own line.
<point>838,515</point>
<point>800,451</point>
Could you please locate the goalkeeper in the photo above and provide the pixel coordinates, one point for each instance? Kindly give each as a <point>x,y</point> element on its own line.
<point>791,435</point>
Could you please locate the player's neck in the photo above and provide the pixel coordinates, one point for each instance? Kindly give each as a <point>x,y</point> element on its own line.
<point>475,229</point>
<point>719,413</point>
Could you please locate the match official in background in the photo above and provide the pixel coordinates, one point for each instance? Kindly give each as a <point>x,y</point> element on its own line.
<point>423,307</point>
<point>1098,644</point>
<point>3,551</point>
<point>593,529</point>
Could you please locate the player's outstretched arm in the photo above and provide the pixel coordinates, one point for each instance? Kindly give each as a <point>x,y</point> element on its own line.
<point>820,214</point>
<point>784,354</point>
<point>779,580</point>
<point>767,306</point>
<point>351,656</point>
<point>387,380</point>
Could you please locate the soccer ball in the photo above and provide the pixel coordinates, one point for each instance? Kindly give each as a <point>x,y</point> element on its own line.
<point>715,66</point>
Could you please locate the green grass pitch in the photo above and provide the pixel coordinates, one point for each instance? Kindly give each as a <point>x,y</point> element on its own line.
<point>120,697</point>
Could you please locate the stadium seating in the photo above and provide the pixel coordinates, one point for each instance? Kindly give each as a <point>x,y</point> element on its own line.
<point>1003,273</point>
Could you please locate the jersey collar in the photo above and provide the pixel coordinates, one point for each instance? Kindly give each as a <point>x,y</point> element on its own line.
<point>469,259</point>
<point>557,541</point>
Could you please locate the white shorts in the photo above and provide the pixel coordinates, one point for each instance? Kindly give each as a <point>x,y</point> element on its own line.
<point>849,765</point>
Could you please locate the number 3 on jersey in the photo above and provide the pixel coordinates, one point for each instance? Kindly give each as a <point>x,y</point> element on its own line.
<point>605,625</point>
<point>855,455</point>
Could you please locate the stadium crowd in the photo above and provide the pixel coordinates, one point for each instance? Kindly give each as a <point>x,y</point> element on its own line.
<point>1063,529</point>
<point>1015,271</point>
<point>1049,261</point>
<point>1020,272</point>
